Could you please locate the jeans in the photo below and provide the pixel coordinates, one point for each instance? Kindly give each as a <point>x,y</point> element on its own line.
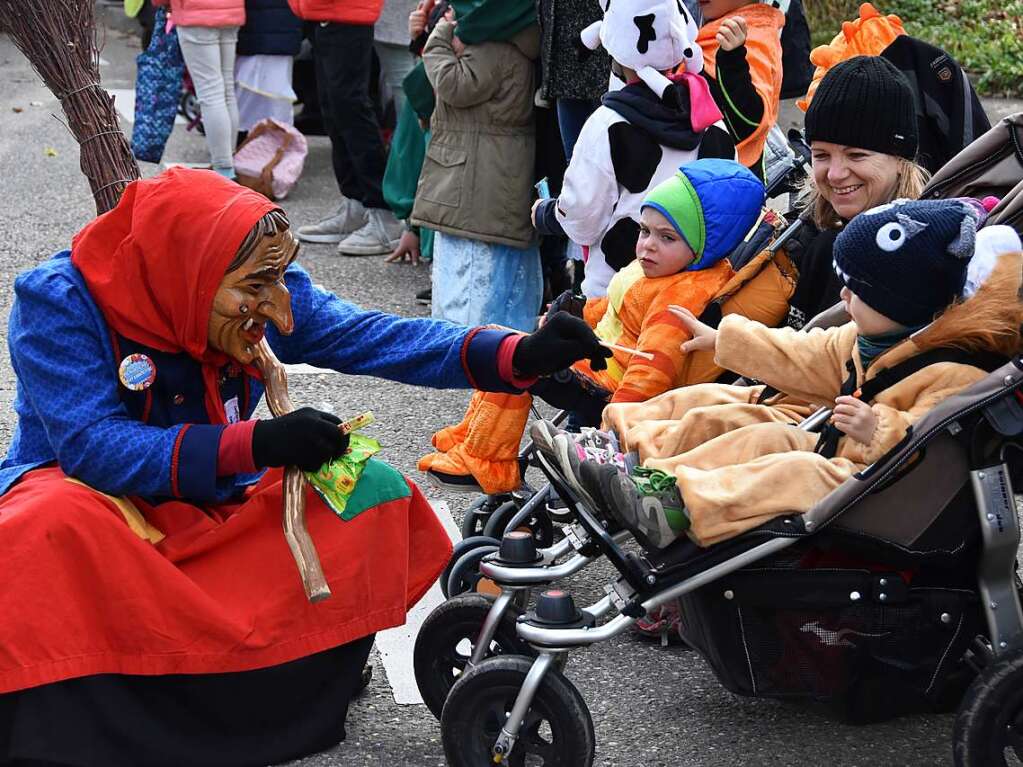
<point>344,57</point>
<point>572,113</point>
<point>209,54</point>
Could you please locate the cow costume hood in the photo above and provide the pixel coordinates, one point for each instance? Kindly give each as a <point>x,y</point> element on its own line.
<point>648,36</point>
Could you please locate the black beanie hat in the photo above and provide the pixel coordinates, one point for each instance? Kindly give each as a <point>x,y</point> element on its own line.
<point>865,102</point>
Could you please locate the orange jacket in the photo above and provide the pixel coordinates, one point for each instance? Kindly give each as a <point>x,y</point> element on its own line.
<point>634,314</point>
<point>338,11</point>
<point>763,53</point>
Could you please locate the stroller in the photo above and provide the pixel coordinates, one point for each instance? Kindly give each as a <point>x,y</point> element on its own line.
<point>188,105</point>
<point>849,635</point>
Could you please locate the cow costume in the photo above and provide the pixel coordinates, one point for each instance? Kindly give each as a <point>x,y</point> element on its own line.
<point>638,137</point>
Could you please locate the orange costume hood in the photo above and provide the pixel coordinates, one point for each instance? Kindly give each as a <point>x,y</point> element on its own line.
<point>868,35</point>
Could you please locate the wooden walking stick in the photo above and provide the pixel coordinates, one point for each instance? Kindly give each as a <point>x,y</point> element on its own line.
<point>295,531</point>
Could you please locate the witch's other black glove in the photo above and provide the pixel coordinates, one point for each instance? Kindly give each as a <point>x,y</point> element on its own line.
<point>562,340</point>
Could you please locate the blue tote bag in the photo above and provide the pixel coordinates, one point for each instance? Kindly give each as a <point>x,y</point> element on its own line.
<point>160,70</point>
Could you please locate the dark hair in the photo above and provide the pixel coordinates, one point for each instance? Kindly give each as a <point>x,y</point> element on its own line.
<point>274,222</point>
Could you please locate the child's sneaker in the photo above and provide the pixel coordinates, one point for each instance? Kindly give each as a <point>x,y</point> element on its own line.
<point>590,436</point>
<point>648,504</point>
<point>542,433</point>
<point>595,479</point>
<point>571,455</point>
<point>663,624</point>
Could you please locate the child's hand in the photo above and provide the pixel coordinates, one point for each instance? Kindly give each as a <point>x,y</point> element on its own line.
<point>458,46</point>
<point>704,336</point>
<point>732,33</point>
<point>417,19</point>
<point>854,418</point>
<point>408,247</point>
<point>532,212</point>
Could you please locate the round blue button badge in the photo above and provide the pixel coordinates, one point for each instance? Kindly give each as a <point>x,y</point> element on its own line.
<point>137,372</point>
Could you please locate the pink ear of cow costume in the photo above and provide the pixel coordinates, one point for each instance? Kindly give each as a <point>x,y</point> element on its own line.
<point>648,36</point>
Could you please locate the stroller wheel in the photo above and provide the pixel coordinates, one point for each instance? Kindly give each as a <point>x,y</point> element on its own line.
<point>188,107</point>
<point>539,524</point>
<point>557,731</point>
<point>989,726</point>
<point>445,643</point>
<point>476,516</point>
<point>465,572</point>
<point>463,547</point>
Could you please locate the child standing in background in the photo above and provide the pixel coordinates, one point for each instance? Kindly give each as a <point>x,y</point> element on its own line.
<point>477,181</point>
<point>742,54</point>
<point>208,34</point>
<point>638,137</point>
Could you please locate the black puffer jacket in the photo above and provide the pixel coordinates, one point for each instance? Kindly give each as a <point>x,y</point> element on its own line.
<point>568,73</point>
<point>270,29</point>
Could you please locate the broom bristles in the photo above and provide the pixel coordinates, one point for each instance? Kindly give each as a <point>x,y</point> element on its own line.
<point>58,37</point>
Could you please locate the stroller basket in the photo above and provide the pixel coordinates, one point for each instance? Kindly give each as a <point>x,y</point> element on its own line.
<point>863,641</point>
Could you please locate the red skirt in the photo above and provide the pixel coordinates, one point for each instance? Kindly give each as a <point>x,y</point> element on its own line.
<point>83,594</point>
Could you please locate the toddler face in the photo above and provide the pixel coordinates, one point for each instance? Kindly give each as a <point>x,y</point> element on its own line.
<point>869,322</point>
<point>852,179</point>
<point>660,250</point>
<point>715,9</point>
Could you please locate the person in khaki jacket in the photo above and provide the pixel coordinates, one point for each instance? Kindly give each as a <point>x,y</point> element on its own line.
<point>475,188</point>
<point>902,263</point>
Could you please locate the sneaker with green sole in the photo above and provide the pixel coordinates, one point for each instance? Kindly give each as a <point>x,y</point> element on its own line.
<point>649,505</point>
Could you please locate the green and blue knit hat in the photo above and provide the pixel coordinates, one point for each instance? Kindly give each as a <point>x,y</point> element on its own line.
<point>712,204</point>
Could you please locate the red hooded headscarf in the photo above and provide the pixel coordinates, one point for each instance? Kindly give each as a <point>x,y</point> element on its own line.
<point>153,264</point>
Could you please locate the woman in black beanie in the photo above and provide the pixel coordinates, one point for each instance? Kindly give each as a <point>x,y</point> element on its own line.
<point>862,130</point>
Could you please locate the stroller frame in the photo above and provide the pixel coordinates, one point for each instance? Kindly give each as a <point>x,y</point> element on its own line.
<point>642,588</point>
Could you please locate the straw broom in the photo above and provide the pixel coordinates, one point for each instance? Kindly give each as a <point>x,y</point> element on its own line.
<point>58,37</point>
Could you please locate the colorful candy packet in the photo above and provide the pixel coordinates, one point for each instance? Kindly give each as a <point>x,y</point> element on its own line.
<point>335,481</point>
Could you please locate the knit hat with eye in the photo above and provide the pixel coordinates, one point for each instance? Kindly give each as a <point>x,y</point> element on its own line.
<point>865,102</point>
<point>908,259</point>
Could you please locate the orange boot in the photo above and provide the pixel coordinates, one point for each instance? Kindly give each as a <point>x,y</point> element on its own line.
<point>449,436</point>
<point>487,459</point>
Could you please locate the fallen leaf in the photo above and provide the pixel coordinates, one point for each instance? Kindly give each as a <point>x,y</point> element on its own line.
<point>50,151</point>
<point>17,109</point>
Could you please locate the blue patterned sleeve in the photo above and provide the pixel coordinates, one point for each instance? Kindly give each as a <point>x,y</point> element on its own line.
<point>331,333</point>
<point>67,374</point>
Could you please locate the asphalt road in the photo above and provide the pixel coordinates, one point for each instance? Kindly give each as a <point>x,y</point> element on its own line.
<point>650,706</point>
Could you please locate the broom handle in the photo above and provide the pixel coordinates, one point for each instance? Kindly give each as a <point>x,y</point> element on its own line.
<point>295,531</point>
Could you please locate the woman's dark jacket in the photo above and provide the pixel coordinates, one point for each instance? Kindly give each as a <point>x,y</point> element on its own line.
<point>270,29</point>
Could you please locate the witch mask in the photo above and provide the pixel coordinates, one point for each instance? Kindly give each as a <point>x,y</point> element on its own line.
<point>252,292</point>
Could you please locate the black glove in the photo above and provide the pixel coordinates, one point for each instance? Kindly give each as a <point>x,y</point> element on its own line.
<point>562,340</point>
<point>306,438</point>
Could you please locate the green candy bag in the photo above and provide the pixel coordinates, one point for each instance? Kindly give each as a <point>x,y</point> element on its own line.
<point>335,481</point>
